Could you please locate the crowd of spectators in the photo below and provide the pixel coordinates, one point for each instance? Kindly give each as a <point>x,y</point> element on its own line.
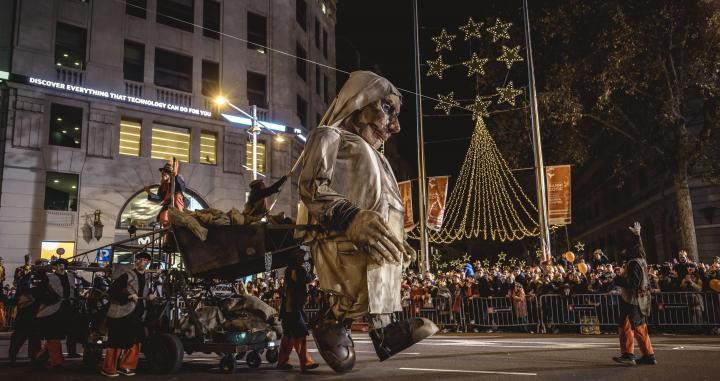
<point>594,276</point>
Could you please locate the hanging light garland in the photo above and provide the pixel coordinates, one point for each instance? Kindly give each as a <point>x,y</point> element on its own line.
<point>472,29</point>
<point>487,200</point>
<point>443,41</point>
<point>508,93</point>
<point>499,30</point>
<point>437,67</point>
<point>475,65</point>
<point>510,56</point>
<point>447,102</point>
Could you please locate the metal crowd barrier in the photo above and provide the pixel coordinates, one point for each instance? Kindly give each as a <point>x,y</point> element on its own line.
<point>668,309</point>
<point>590,312</point>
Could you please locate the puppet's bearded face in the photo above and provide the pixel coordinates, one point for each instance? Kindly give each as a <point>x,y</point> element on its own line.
<point>376,122</point>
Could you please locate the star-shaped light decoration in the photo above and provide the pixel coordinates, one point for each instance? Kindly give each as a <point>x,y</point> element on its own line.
<point>443,40</point>
<point>479,108</point>
<point>508,93</point>
<point>510,56</point>
<point>502,256</point>
<point>447,102</point>
<point>499,30</point>
<point>580,246</point>
<point>472,29</point>
<point>475,65</point>
<point>437,67</point>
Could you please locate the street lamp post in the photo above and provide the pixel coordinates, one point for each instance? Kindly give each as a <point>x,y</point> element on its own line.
<point>254,128</point>
<point>537,145</point>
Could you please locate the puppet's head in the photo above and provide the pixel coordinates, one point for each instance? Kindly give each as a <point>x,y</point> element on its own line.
<point>367,105</point>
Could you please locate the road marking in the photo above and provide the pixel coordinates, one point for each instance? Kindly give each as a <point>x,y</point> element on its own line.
<point>470,371</point>
<point>401,353</point>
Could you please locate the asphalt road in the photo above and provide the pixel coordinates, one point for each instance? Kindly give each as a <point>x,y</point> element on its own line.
<point>457,357</point>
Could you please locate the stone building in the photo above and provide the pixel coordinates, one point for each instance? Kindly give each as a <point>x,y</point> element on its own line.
<point>101,93</point>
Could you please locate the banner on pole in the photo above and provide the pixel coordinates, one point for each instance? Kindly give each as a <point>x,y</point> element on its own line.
<point>406,194</point>
<point>558,191</point>
<point>437,193</point>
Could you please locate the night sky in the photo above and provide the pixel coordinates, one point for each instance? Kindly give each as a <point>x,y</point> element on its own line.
<point>378,36</point>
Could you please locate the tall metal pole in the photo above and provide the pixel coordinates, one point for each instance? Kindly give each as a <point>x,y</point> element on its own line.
<point>539,165</point>
<point>254,130</point>
<point>424,253</point>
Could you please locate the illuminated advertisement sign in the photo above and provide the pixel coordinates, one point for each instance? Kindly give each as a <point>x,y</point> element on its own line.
<point>117,97</point>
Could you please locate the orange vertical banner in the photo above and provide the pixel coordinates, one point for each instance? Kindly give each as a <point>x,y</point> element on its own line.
<point>437,193</point>
<point>558,191</point>
<point>406,194</point>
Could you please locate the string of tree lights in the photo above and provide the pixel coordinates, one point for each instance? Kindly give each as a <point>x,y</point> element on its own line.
<point>486,201</point>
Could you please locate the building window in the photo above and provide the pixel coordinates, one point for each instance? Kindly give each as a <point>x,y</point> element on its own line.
<point>70,42</point>
<point>65,125</point>
<point>318,79</point>
<point>257,89</point>
<point>325,43</point>
<point>176,13</point>
<point>130,136</point>
<point>173,70</point>
<point>260,156</point>
<point>210,78</point>
<point>326,95</point>
<point>301,13</point>
<point>169,142</point>
<point>302,110</point>
<point>208,148</point>
<point>300,61</point>
<point>137,8</point>
<point>61,191</point>
<point>211,19</point>
<point>134,61</point>
<point>257,32</point>
<point>317,33</point>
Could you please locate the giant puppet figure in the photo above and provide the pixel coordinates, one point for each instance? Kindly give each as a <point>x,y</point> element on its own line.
<point>347,186</point>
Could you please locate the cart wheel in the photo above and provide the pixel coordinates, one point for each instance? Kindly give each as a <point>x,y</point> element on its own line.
<point>228,364</point>
<point>253,359</point>
<point>165,353</point>
<point>92,357</point>
<point>272,356</point>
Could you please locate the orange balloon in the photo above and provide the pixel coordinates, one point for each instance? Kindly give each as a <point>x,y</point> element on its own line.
<point>583,268</point>
<point>569,256</point>
<point>715,285</point>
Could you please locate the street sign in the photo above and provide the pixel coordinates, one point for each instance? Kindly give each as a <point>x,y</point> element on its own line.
<point>103,255</point>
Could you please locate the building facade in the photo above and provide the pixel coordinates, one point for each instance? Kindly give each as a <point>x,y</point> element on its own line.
<point>103,92</point>
<point>602,213</point>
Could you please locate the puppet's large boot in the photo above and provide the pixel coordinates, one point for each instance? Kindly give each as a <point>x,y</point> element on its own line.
<point>398,336</point>
<point>334,344</point>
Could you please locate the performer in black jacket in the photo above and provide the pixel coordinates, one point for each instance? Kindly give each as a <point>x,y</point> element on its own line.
<point>635,305</point>
<point>56,293</point>
<point>27,308</point>
<point>128,294</point>
<point>292,313</point>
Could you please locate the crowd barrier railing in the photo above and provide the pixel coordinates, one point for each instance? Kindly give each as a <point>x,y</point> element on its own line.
<point>668,309</point>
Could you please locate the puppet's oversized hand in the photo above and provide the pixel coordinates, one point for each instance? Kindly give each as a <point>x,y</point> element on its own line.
<point>409,255</point>
<point>370,233</point>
